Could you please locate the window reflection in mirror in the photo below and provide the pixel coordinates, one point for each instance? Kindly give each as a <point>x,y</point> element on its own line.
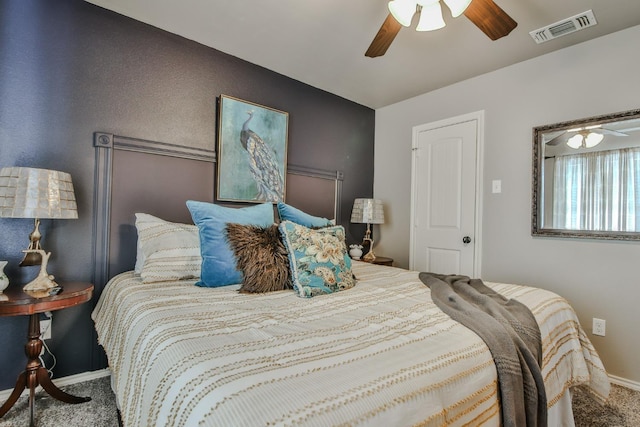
<point>586,178</point>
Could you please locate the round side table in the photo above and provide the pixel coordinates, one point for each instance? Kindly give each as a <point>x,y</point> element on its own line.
<point>17,303</point>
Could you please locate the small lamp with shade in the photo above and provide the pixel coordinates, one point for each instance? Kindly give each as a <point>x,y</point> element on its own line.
<point>368,211</point>
<point>38,194</point>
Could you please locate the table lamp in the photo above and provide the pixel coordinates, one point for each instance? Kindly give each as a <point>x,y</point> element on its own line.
<point>38,194</point>
<point>368,211</point>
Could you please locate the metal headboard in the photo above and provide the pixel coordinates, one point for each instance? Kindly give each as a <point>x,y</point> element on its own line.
<point>127,169</point>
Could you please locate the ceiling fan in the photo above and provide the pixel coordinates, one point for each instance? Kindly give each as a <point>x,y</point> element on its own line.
<point>485,14</point>
<point>584,137</point>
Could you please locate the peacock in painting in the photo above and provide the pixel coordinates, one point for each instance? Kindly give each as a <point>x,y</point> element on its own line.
<point>262,164</point>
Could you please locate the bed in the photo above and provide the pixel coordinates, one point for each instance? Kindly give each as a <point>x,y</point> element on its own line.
<point>378,352</point>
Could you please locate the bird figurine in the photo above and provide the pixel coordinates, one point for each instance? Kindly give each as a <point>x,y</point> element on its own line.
<point>262,164</point>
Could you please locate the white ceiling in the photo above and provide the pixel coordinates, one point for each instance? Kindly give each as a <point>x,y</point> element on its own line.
<point>322,42</point>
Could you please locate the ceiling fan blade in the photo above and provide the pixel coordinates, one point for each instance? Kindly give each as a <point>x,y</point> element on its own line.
<point>490,18</point>
<point>381,42</point>
<point>558,139</point>
<point>609,132</point>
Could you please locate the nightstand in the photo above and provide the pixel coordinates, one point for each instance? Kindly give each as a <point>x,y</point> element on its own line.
<point>380,260</point>
<point>16,303</point>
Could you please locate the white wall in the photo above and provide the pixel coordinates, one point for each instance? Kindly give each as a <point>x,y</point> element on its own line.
<point>599,278</point>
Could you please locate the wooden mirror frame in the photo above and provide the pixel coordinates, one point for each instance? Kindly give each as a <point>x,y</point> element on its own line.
<point>537,181</point>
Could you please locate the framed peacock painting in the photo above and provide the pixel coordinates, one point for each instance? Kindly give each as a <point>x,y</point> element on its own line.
<point>252,152</point>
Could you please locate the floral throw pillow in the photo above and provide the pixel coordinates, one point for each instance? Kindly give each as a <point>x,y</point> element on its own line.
<point>318,259</point>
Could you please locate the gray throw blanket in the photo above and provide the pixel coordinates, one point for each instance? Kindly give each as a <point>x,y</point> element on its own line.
<point>510,331</point>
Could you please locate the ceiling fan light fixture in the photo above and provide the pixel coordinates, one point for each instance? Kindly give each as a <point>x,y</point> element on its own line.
<point>431,17</point>
<point>575,141</point>
<point>403,11</point>
<point>593,139</point>
<point>585,140</point>
<point>457,7</point>
<point>494,22</point>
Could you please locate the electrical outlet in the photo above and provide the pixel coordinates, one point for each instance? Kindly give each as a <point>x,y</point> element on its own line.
<point>45,329</point>
<point>599,327</point>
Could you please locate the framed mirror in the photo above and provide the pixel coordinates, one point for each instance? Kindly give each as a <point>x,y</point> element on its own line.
<point>586,178</point>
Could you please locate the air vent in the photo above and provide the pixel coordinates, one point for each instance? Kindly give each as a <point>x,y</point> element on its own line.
<point>564,27</point>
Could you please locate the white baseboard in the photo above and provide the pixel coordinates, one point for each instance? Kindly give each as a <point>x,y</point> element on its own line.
<point>61,382</point>
<point>633,385</point>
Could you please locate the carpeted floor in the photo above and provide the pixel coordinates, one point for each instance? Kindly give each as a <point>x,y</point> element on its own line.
<point>99,412</point>
<point>623,409</point>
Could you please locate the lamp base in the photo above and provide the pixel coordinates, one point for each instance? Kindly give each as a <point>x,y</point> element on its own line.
<point>32,256</point>
<point>44,281</point>
<point>30,259</point>
<point>40,283</point>
<point>369,256</point>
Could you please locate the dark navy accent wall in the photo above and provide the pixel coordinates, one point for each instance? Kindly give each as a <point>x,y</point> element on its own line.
<point>69,68</point>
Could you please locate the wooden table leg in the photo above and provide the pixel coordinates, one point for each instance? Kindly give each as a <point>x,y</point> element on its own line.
<point>15,394</point>
<point>55,392</point>
<point>35,374</point>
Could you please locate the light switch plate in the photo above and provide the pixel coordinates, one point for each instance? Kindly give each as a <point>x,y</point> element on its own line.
<point>496,186</point>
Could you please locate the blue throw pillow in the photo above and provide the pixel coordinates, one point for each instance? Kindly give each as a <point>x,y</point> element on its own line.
<point>218,262</point>
<point>318,259</point>
<point>289,213</point>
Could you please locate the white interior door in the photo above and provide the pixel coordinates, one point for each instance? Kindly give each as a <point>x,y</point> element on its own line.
<point>445,199</point>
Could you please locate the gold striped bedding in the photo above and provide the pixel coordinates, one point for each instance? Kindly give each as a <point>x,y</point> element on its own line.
<point>379,354</point>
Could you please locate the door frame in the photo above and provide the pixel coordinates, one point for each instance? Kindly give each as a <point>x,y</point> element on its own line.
<point>478,116</point>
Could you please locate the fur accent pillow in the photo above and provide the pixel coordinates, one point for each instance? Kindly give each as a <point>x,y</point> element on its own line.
<point>218,263</point>
<point>261,256</point>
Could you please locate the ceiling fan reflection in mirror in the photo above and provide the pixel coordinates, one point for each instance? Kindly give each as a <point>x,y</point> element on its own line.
<point>584,137</point>
<point>485,14</point>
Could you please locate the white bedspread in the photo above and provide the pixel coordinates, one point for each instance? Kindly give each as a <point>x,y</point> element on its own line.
<point>379,354</point>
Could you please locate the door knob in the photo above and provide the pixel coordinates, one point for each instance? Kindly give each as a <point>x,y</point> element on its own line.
<point>466,240</point>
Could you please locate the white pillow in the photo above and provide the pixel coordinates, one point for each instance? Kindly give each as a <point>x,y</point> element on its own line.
<point>166,250</point>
